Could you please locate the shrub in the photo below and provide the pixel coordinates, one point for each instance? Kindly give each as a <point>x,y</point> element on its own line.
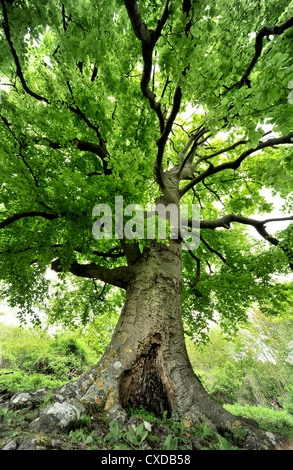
<point>288,404</point>
<point>280,422</point>
<point>39,360</point>
<point>20,381</point>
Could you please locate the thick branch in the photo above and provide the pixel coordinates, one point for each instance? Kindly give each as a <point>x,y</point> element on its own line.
<point>226,220</point>
<point>118,277</point>
<point>148,40</point>
<point>259,225</point>
<point>161,143</point>
<point>97,149</point>
<point>131,250</point>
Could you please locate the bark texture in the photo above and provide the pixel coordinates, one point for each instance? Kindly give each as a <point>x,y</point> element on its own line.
<point>146,364</point>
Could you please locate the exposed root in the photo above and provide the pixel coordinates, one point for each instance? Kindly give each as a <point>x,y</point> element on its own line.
<point>109,388</point>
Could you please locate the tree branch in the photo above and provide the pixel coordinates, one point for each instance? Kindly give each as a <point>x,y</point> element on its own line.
<point>212,250</point>
<point>97,149</point>
<point>75,109</point>
<point>161,142</point>
<point>194,141</point>
<point>259,225</point>
<point>148,40</point>
<point>265,31</point>
<point>21,215</point>
<point>234,165</point>
<point>6,29</point>
<point>226,220</point>
<point>197,259</point>
<point>118,277</point>
<point>131,250</point>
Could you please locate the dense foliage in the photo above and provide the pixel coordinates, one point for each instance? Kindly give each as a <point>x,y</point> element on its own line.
<point>90,107</point>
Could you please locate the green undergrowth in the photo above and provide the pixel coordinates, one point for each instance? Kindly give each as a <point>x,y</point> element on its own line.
<point>32,359</point>
<point>143,431</point>
<point>280,422</point>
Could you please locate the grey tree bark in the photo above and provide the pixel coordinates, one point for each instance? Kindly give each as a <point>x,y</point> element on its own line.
<point>146,363</point>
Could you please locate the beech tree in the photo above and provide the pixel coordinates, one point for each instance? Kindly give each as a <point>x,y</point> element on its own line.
<point>175,102</point>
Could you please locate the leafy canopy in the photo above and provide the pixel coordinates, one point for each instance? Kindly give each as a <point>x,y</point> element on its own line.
<point>104,98</point>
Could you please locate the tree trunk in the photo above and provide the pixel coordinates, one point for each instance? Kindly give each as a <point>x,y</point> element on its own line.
<point>146,363</point>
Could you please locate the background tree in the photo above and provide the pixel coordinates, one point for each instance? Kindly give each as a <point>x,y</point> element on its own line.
<point>94,104</point>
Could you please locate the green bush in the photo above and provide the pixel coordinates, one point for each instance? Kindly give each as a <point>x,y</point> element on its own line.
<point>288,404</point>
<point>21,346</point>
<point>251,368</point>
<point>39,360</point>
<point>20,381</point>
<point>279,422</point>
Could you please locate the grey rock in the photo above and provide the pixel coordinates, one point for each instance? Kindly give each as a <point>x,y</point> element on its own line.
<point>11,445</point>
<point>33,444</point>
<point>59,416</point>
<point>30,444</point>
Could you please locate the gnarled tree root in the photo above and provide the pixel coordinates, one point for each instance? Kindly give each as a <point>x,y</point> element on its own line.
<point>91,393</point>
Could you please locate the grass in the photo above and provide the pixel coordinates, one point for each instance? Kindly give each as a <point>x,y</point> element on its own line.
<point>96,433</point>
<point>276,421</point>
<point>144,431</point>
<point>54,363</point>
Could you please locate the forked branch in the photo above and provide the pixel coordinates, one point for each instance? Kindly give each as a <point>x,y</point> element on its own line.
<point>259,225</point>
<point>235,164</point>
<point>148,40</point>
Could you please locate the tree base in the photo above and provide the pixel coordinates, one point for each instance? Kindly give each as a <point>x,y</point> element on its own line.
<point>99,390</point>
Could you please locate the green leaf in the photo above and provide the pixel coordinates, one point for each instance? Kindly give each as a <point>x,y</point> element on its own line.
<point>89,439</point>
<point>224,444</point>
<point>144,436</point>
<point>139,429</point>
